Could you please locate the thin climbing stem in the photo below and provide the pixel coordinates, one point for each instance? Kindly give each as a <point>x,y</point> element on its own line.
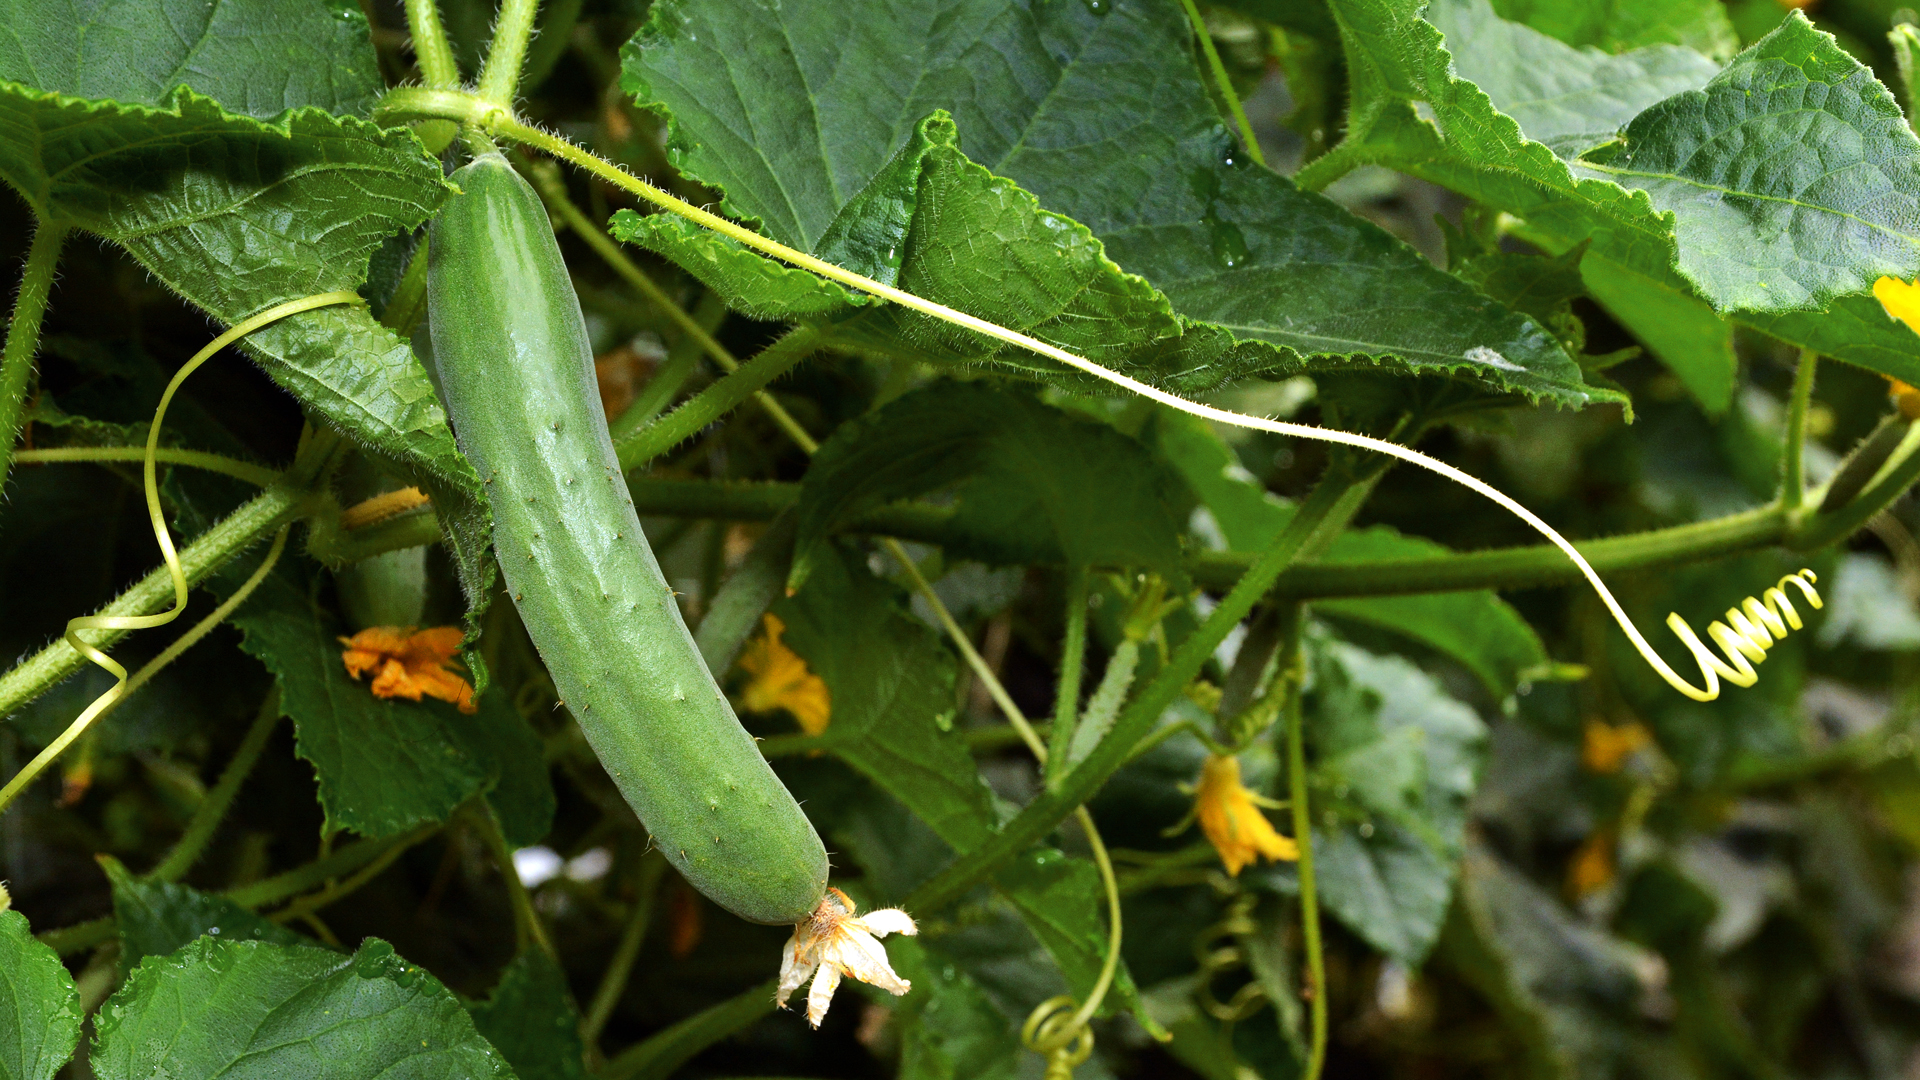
<point>213,808</point>
<point>512,31</point>
<point>306,907</point>
<point>139,678</point>
<point>1073,662</point>
<point>1309,898</point>
<point>431,50</point>
<point>546,178</point>
<point>527,927</point>
<point>719,399</point>
<point>1064,1034</point>
<point>257,475</point>
<point>1224,84</point>
<point>620,968</point>
<point>23,333</point>
<point>1793,483</point>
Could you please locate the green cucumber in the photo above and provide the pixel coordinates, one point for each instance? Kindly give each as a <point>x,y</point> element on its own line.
<point>515,370</point>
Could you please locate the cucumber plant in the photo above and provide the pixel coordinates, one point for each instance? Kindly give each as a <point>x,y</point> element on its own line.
<point>1067,431</point>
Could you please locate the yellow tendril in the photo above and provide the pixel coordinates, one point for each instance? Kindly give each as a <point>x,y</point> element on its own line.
<point>149,477</point>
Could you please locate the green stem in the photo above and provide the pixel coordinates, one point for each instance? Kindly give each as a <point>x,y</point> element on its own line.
<point>682,357</point>
<point>662,1053</point>
<point>1823,529</point>
<point>1322,171</point>
<point>23,334</point>
<point>213,809</point>
<point>720,398</point>
<point>980,740</point>
<point>512,30</point>
<point>614,982</point>
<point>1496,568</point>
<point>317,873</point>
<point>1073,659</point>
<point>430,47</point>
<point>257,475</point>
<point>409,530</point>
<point>1309,898</point>
<point>547,178</point>
<point>527,927</point>
<point>307,906</point>
<point>1330,506</point>
<point>1224,84</point>
<point>207,553</point>
<point>1793,484</point>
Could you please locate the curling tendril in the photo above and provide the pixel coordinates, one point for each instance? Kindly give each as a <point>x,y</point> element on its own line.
<point>149,477</point>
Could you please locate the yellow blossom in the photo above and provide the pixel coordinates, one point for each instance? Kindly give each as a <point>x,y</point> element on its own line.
<point>781,681</point>
<point>833,942</point>
<point>6,901</point>
<point>1231,818</point>
<point>409,664</point>
<point>1591,868</point>
<point>1604,748</point>
<point>1901,300</point>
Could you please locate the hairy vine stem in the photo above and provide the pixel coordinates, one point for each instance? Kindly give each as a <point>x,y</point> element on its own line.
<point>1793,479</point>
<point>1224,84</point>
<point>257,475</point>
<point>512,31</point>
<point>213,808</point>
<point>23,333</point>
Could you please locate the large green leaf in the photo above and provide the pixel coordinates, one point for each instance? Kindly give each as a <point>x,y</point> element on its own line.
<point>1676,326</point>
<point>1620,25</point>
<point>1031,483</point>
<point>237,213</point>
<point>532,1021</point>
<point>39,1007</point>
<point>1572,99</point>
<point>1413,111</point>
<point>1403,759</point>
<point>386,765</point>
<point>949,1028</point>
<point>1792,177</point>
<point>242,1009</point>
<point>257,57</point>
<point>158,917</point>
<point>1099,113</point>
<point>1478,629</point>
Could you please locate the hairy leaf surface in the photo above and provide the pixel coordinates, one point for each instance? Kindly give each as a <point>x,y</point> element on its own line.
<point>39,1007</point>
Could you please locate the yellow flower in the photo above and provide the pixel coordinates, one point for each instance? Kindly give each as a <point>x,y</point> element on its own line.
<point>1901,300</point>
<point>6,901</point>
<point>832,942</point>
<point>1591,868</point>
<point>781,681</point>
<point>1604,748</point>
<point>1230,816</point>
<point>409,664</point>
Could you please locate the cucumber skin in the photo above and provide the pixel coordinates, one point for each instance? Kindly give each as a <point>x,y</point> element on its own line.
<point>515,371</point>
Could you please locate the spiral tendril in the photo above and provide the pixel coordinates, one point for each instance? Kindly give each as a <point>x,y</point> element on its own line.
<point>150,480</point>
<point>1055,1032</point>
<point>1752,627</point>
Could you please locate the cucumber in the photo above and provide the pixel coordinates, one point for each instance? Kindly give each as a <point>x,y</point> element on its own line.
<point>515,370</point>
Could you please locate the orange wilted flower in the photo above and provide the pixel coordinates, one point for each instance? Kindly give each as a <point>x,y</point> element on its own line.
<point>409,664</point>
<point>1604,748</point>
<point>781,681</point>
<point>1591,868</point>
<point>1230,816</point>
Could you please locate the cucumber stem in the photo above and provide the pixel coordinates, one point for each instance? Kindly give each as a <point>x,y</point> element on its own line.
<point>614,982</point>
<point>23,334</point>
<point>719,399</point>
<point>1073,656</point>
<point>512,31</point>
<point>257,475</point>
<point>430,47</point>
<point>1303,838</point>
<point>1224,84</point>
<point>213,808</point>
<point>1793,481</point>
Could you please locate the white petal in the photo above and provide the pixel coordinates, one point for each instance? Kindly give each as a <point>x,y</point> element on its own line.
<point>794,969</point>
<point>820,995</point>
<point>887,921</point>
<point>865,959</point>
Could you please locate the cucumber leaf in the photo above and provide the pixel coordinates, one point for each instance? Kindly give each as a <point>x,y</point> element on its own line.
<point>1619,25</point>
<point>232,207</point>
<point>245,1009</point>
<point>259,58</point>
<point>1404,758</point>
<point>39,1007</point>
<point>531,1019</point>
<point>158,917</point>
<point>1089,142</point>
<point>1031,483</point>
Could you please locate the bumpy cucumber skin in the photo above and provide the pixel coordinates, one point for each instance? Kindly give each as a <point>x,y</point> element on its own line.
<point>515,369</point>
